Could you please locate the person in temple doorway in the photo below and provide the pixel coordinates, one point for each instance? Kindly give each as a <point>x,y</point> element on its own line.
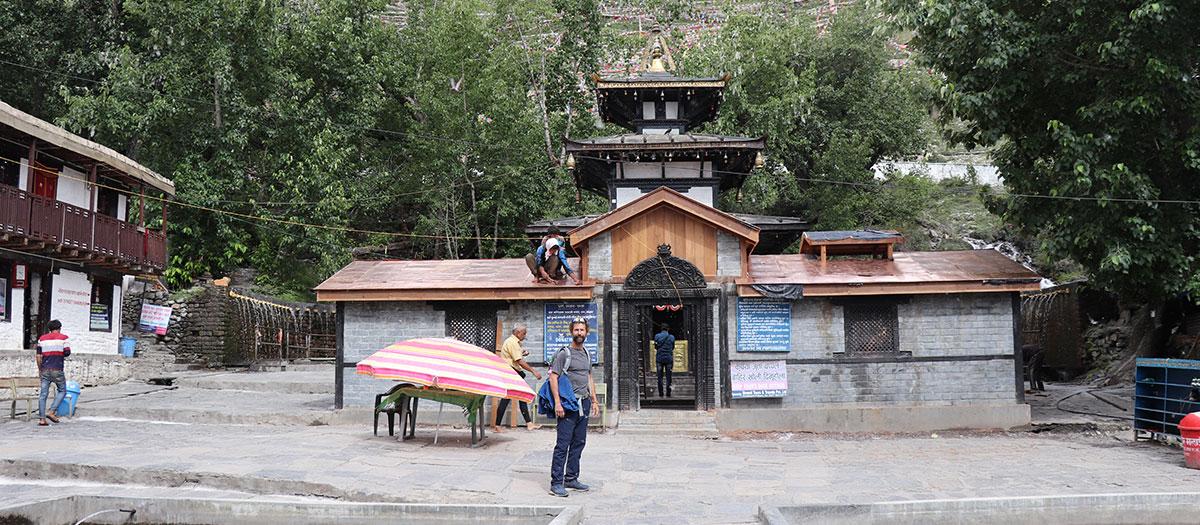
<point>664,356</point>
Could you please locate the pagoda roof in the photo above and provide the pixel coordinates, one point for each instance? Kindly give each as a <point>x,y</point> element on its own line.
<point>665,141</point>
<point>659,79</point>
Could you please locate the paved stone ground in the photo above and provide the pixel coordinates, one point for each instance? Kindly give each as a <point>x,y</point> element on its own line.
<point>637,479</point>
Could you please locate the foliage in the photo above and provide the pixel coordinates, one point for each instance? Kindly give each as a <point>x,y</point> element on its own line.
<point>830,106</point>
<point>1084,99</point>
<point>446,131</point>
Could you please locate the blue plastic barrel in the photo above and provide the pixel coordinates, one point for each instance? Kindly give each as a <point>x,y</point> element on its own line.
<point>67,407</point>
<point>128,345</point>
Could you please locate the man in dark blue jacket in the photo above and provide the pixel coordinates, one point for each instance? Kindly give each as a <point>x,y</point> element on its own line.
<point>664,356</point>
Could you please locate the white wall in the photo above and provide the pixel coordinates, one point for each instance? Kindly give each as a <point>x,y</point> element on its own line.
<point>683,170</point>
<point>12,332</point>
<point>73,189</point>
<point>70,303</point>
<point>701,194</point>
<point>642,170</point>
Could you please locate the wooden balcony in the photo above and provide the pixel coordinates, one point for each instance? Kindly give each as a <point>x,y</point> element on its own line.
<point>41,225</point>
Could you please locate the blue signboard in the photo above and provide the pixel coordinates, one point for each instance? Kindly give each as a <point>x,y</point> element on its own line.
<point>557,328</point>
<point>764,325</point>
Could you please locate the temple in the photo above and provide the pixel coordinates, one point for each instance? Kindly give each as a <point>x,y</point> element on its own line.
<point>850,334</point>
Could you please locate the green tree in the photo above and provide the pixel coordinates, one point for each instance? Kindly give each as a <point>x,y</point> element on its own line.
<point>1084,99</point>
<point>830,105</point>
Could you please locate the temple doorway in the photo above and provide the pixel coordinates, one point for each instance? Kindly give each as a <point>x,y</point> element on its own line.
<point>678,389</point>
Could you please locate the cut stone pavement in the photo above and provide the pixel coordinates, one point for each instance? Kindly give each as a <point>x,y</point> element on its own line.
<point>635,479</point>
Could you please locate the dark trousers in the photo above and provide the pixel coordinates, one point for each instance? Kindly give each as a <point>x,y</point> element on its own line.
<point>572,436</point>
<point>552,265</point>
<point>503,407</point>
<point>664,368</point>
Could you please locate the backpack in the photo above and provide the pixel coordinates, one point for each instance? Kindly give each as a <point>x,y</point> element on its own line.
<point>545,395</point>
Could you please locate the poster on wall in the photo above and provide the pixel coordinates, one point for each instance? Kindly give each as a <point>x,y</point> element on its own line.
<point>556,328</point>
<point>100,318</point>
<point>758,379</point>
<point>154,319</point>
<point>764,325</point>
<point>3,297</point>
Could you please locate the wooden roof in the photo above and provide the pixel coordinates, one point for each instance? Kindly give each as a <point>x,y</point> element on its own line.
<point>664,196</point>
<point>445,280</point>
<point>664,141</point>
<point>908,273</point>
<point>45,131</point>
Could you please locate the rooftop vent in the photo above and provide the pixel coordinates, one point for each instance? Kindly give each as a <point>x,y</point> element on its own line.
<point>875,243</point>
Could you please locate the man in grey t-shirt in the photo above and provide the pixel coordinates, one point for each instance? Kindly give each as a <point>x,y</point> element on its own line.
<point>572,425</point>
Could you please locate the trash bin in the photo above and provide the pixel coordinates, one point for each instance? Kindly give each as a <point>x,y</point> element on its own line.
<point>67,407</point>
<point>1189,431</point>
<point>128,345</point>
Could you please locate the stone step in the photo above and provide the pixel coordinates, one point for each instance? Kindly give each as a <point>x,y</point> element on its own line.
<point>668,431</point>
<point>318,382</point>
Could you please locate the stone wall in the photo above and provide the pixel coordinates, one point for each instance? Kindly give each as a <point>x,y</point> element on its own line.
<point>729,255</point>
<point>954,349</point>
<point>196,332</point>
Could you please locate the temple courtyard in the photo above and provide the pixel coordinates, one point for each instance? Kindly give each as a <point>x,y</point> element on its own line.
<point>273,436</point>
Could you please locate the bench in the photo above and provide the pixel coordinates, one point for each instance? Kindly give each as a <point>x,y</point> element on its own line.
<point>20,389</point>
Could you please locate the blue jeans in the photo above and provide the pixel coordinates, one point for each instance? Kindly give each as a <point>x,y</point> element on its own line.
<point>664,368</point>
<point>60,383</point>
<point>572,436</point>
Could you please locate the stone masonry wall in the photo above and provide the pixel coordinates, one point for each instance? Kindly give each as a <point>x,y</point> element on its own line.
<point>196,332</point>
<point>957,344</point>
<point>600,257</point>
<point>371,326</point>
<point>729,255</point>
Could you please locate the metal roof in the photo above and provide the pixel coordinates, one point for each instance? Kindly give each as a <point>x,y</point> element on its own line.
<point>457,279</point>
<point>908,272</point>
<point>45,131</point>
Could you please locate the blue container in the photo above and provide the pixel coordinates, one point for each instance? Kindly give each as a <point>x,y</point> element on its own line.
<point>67,407</point>
<point>128,345</point>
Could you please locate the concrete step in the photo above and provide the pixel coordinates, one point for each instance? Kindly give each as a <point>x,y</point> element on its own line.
<point>668,422</point>
<point>668,431</point>
<point>318,382</point>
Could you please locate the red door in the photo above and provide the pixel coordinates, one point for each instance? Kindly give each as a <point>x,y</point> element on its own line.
<point>45,181</point>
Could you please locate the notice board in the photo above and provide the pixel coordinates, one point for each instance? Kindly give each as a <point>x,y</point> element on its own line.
<point>557,328</point>
<point>100,318</point>
<point>764,325</point>
<point>154,319</point>
<point>758,379</point>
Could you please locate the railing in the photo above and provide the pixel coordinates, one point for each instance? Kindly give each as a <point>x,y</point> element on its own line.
<point>14,211</point>
<point>131,248</point>
<point>45,219</point>
<point>107,235</point>
<point>156,249</point>
<point>58,223</point>
<point>77,227</point>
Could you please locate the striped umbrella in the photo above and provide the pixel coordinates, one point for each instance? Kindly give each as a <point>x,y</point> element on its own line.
<point>447,364</point>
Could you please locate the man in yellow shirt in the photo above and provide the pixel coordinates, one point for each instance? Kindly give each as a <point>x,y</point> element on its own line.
<point>512,352</point>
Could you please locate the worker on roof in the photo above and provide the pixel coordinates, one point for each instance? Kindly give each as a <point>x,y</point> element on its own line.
<point>549,263</point>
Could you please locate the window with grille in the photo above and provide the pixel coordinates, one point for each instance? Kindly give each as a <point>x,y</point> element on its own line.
<point>872,328</point>
<point>477,327</point>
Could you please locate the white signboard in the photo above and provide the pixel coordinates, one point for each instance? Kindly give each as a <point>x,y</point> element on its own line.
<point>758,378</point>
<point>154,319</point>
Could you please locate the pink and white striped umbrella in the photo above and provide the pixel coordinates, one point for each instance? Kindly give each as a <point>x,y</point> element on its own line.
<point>448,364</point>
